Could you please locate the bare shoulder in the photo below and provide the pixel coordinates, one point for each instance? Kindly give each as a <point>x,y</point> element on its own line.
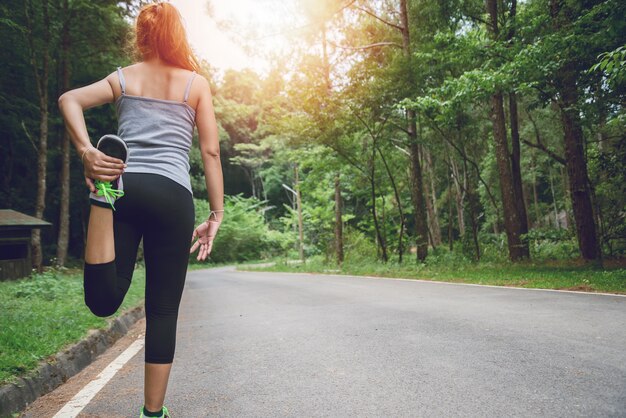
<point>133,67</point>
<point>132,70</point>
<point>114,79</point>
<point>201,85</point>
<point>114,83</point>
<point>200,92</point>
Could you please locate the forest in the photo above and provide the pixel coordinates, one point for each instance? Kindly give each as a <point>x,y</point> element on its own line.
<point>393,131</point>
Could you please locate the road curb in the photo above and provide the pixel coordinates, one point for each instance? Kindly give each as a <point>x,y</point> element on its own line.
<point>14,397</point>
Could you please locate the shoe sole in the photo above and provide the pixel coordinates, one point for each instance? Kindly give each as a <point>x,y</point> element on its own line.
<point>113,146</point>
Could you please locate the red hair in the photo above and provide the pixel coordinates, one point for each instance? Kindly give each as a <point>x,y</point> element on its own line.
<point>160,33</point>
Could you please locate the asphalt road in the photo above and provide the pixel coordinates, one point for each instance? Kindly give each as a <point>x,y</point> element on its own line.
<point>301,345</point>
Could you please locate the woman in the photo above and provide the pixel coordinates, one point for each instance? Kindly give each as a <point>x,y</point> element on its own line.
<point>140,184</point>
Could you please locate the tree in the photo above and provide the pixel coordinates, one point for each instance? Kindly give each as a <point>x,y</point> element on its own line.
<point>39,50</point>
<point>513,222</point>
<point>566,77</point>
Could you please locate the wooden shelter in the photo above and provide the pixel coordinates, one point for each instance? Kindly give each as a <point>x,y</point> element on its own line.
<point>15,249</point>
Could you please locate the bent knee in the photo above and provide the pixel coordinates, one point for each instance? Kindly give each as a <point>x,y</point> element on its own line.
<point>100,309</point>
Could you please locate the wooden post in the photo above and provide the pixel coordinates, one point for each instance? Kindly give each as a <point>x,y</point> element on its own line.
<point>299,204</point>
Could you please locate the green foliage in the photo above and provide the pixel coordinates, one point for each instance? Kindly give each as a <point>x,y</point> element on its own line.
<point>613,65</point>
<point>244,233</point>
<point>358,247</point>
<point>443,256</point>
<point>47,286</point>
<point>353,125</point>
<point>552,244</point>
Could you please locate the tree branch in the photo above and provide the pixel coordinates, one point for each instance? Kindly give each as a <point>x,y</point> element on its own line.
<point>350,160</point>
<point>393,25</point>
<point>402,149</point>
<point>29,136</point>
<point>539,145</point>
<point>350,3</point>
<point>472,162</point>
<point>479,20</point>
<point>364,47</point>
<point>400,127</point>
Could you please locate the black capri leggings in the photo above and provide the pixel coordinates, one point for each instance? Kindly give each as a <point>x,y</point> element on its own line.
<point>162,212</point>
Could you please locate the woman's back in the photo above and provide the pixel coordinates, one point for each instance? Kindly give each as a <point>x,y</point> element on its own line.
<point>157,81</point>
<point>156,120</point>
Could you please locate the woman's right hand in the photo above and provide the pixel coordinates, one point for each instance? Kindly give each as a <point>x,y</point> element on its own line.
<point>99,166</point>
<point>204,235</point>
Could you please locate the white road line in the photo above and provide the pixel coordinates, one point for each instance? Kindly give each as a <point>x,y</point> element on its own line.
<point>82,398</point>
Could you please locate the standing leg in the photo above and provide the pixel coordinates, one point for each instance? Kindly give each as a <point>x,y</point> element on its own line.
<point>167,241</point>
<point>156,377</point>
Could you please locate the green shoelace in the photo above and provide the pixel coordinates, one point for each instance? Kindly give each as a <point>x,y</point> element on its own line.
<point>105,188</point>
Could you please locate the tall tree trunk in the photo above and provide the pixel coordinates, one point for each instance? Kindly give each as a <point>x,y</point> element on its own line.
<point>379,235</point>
<point>575,161</point>
<point>417,194</point>
<point>435,240</point>
<point>399,202</point>
<point>567,198</point>
<point>41,81</point>
<point>417,189</point>
<point>577,168</point>
<point>473,202</point>
<point>450,241</point>
<point>458,196</point>
<point>262,187</point>
<point>516,157</point>
<point>64,204</point>
<point>512,222</point>
<point>431,199</point>
<point>516,172</point>
<point>537,222</point>
<point>338,222</point>
<point>557,224</point>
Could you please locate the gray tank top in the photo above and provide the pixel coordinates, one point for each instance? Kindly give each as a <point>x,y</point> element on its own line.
<point>158,133</point>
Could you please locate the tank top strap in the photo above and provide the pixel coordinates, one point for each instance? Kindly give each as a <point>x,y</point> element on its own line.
<point>188,89</point>
<point>120,75</point>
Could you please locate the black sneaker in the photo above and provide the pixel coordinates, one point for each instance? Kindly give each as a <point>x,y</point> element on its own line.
<point>107,192</point>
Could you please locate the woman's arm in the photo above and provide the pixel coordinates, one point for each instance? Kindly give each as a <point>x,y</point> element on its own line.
<point>210,147</point>
<point>98,166</point>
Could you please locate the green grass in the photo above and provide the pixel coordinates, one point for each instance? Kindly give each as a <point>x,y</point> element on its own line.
<point>208,264</point>
<point>545,275</point>
<point>45,313</point>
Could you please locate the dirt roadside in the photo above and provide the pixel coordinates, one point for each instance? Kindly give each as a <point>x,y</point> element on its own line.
<point>48,405</point>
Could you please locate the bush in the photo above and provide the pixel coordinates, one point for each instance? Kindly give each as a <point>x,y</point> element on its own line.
<point>47,286</point>
<point>357,246</point>
<point>442,256</point>
<point>493,247</point>
<point>244,234</point>
<point>551,244</point>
